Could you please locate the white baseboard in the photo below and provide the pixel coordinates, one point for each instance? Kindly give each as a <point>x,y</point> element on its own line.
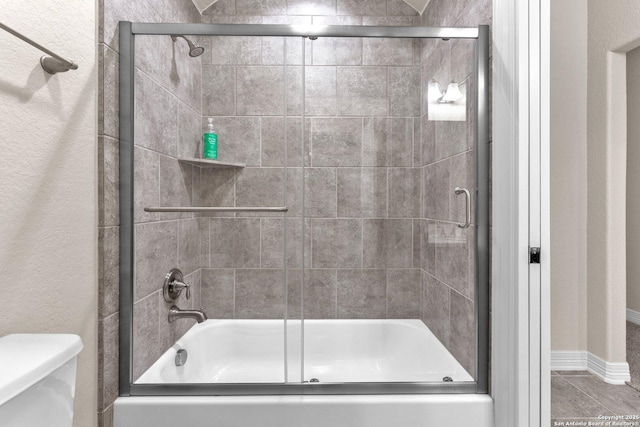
<point>568,360</point>
<point>610,372</point>
<point>633,316</point>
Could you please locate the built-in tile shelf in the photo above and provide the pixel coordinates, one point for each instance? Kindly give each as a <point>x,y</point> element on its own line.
<point>208,163</point>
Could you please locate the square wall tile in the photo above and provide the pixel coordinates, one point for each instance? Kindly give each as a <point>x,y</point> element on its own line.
<point>108,353</point>
<point>320,91</point>
<point>401,142</point>
<point>428,140</point>
<point>176,185</point>
<point>238,139</point>
<point>231,50</point>
<point>387,51</point>
<point>260,294</point>
<point>403,293</point>
<point>362,192</point>
<point>108,271</point>
<point>388,243</point>
<point>453,245</point>
<point>218,90</point>
<point>361,294</point>
<point>273,141</point>
<point>336,141</point>
<point>293,88</point>
<point>109,96</point>
<point>362,91</point>
<point>451,138</point>
<point>337,51</point>
<point>436,197</point>
<point>435,310</point>
<point>189,249</point>
<point>272,237</point>
<point>463,339</point>
<point>320,192</point>
<point>404,87</point>
<point>156,252</point>
<point>273,50</point>
<point>146,188</point>
<point>146,338</point>
<point>108,182</point>
<point>216,187</point>
<point>155,128</point>
<point>260,187</point>
<point>428,233</point>
<point>376,141</point>
<point>320,294</point>
<point>234,242</point>
<point>336,243</point>
<point>217,293</point>
<point>189,132</point>
<point>260,91</point>
<point>404,193</point>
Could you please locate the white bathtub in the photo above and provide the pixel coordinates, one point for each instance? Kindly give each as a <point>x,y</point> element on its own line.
<point>252,351</point>
<point>335,351</point>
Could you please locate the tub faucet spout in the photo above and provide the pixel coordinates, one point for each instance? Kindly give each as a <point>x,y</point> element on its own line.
<point>175,313</point>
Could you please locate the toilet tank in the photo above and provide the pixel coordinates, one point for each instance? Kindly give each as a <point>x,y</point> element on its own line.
<point>37,379</point>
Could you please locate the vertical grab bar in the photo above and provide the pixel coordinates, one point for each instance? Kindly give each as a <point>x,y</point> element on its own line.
<point>467,195</point>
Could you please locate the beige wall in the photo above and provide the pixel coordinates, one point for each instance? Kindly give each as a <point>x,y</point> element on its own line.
<point>48,219</point>
<point>613,27</point>
<point>633,180</point>
<point>589,268</point>
<point>568,175</point>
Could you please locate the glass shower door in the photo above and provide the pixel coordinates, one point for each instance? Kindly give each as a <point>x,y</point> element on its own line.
<point>388,286</point>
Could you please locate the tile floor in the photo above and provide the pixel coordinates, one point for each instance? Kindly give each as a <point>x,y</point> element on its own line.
<point>582,396</point>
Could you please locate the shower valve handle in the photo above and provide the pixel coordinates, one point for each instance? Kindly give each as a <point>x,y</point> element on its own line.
<point>173,286</point>
<point>178,286</point>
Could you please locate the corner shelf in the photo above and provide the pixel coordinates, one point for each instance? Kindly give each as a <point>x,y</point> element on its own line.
<point>207,163</point>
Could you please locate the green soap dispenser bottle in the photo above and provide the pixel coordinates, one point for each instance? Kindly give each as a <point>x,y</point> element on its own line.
<point>210,137</point>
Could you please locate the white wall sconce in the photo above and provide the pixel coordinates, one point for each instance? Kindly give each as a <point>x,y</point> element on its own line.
<point>449,105</point>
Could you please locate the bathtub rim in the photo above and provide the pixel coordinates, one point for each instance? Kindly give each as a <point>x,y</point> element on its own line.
<point>265,389</point>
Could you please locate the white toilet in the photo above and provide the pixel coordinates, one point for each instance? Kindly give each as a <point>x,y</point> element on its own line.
<point>37,379</point>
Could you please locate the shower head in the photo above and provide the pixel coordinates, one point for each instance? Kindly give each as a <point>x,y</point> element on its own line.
<point>194,49</point>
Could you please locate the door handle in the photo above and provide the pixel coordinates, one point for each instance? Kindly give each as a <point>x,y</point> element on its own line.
<point>467,196</point>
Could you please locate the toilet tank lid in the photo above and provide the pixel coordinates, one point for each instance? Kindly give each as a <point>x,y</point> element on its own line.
<point>25,359</point>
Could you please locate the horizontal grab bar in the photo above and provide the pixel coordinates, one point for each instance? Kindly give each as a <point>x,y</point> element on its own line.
<point>217,209</point>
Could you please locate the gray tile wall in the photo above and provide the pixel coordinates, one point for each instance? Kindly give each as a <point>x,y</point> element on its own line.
<point>362,176</point>
<point>165,76</point>
<point>376,171</point>
<point>447,160</point>
<point>167,123</point>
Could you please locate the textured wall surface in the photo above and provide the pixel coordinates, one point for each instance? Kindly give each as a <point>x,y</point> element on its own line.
<point>568,176</point>
<point>613,30</point>
<point>48,219</point>
<point>361,195</point>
